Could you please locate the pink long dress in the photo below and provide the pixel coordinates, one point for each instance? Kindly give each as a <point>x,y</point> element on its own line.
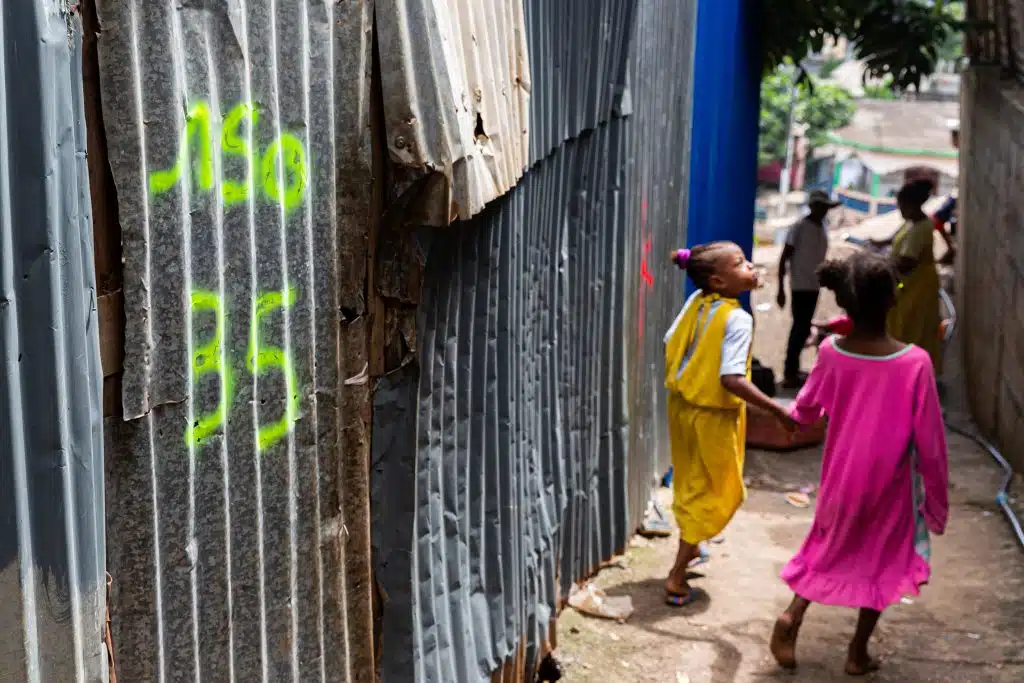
<point>884,478</point>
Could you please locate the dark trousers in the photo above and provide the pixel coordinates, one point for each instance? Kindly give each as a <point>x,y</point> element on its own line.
<point>803,305</point>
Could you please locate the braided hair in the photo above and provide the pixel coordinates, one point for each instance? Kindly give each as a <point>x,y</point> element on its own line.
<point>700,262</point>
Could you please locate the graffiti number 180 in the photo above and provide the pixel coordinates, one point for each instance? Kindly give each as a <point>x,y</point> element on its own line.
<point>282,169</point>
<point>261,359</point>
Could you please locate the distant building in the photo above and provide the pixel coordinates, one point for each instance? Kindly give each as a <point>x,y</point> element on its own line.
<point>887,143</point>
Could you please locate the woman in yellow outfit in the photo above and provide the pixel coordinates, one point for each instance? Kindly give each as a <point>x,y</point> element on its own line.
<point>707,366</point>
<point>915,318</point>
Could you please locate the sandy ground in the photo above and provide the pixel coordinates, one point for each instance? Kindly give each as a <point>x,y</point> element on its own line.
<point>966,627</point>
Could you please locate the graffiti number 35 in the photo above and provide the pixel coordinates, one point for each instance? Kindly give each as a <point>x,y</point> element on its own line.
<point>261,359</point>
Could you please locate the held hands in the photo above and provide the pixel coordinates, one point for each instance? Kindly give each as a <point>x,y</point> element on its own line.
<point>780,413</point>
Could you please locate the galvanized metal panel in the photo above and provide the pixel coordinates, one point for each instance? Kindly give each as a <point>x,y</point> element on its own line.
<point>662,97</point>
<point>536,409</point>
<point>238,139</point>
<point>52,581</point>
<point>456,87</point>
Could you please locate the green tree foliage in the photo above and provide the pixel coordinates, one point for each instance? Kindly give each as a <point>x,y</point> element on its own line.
<point>880,91</point>
<point>821,108</point>
<point>953,48</point>
<point>903,39</point>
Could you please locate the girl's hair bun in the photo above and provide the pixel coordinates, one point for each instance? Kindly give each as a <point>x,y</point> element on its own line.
<point>681,258</point>
<point>832,274</point>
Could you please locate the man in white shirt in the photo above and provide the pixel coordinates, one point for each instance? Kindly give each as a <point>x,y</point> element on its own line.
<point>805,250</point>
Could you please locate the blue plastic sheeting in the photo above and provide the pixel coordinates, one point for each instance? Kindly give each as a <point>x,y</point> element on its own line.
<point>52,582</point>
<point>726,108</point>
<point>862,205</point>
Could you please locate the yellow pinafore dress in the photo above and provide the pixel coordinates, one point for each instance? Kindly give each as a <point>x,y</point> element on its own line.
<point>707,424</point>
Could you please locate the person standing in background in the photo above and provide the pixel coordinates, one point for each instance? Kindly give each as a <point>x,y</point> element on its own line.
<point>915,318</point>
<point>805,250</point>
<point>947,213</point>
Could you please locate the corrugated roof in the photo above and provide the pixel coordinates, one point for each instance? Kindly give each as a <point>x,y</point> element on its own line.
<point>883,164</point>
<point>900,124</point>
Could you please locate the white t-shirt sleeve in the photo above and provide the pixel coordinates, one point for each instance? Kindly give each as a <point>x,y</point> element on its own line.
<point>739,335</point>
<point>682,312</point>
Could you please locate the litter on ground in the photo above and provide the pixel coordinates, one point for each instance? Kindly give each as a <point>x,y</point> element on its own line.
<point>593,601</point>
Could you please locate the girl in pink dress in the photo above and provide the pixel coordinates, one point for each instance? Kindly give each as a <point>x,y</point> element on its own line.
<point>884,475</point>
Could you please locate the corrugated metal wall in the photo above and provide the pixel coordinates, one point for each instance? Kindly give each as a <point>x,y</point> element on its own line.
<point>534,407</point>
<point>237,474</point>
<point>658,191</point>
<point>515,357</point>
<point>52,583</point>
<point>457,94</point>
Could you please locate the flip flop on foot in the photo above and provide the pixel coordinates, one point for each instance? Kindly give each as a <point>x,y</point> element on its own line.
<point>783,644</point>
<point>674,599</point>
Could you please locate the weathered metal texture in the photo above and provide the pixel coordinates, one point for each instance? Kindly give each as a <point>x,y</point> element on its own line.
<point>52,582</point>
<point>238,536</point>
<point>456,86</point>
<point>662,71</point>
<point>535,410</point>
<point>1001,42</point>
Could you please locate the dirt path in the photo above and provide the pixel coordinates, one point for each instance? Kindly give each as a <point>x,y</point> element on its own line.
<point>967,627</point>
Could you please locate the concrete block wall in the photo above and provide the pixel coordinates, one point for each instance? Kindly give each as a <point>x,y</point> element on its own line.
<point>991,265</point>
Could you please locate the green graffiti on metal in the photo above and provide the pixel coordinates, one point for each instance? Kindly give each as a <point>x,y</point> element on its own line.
<point>209,359</point>
<point>261,359</point>
<point>283,170</point>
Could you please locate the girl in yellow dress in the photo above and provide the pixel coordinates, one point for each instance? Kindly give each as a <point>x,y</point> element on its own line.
<point>707,368</point>
<point>915,318</point>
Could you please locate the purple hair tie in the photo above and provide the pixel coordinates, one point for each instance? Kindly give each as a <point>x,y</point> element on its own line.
<point>682,258</point>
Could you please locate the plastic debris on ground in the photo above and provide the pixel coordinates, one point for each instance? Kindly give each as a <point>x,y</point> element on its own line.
<point>798,500</point>
<point>682,678</point>
<point>593,601</point>
<point>656,523</point>
<point>655,527</point>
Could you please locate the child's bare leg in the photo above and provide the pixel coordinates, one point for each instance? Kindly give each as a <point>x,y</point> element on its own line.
<point>859,662</point>
<point>676,583</point>
<point>787,627</point>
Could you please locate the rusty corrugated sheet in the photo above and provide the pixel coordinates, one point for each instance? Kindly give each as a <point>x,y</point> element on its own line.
<point>534,408</point>
<point>456,87</point>
<point>52,584</point>
<point>238,140</point>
